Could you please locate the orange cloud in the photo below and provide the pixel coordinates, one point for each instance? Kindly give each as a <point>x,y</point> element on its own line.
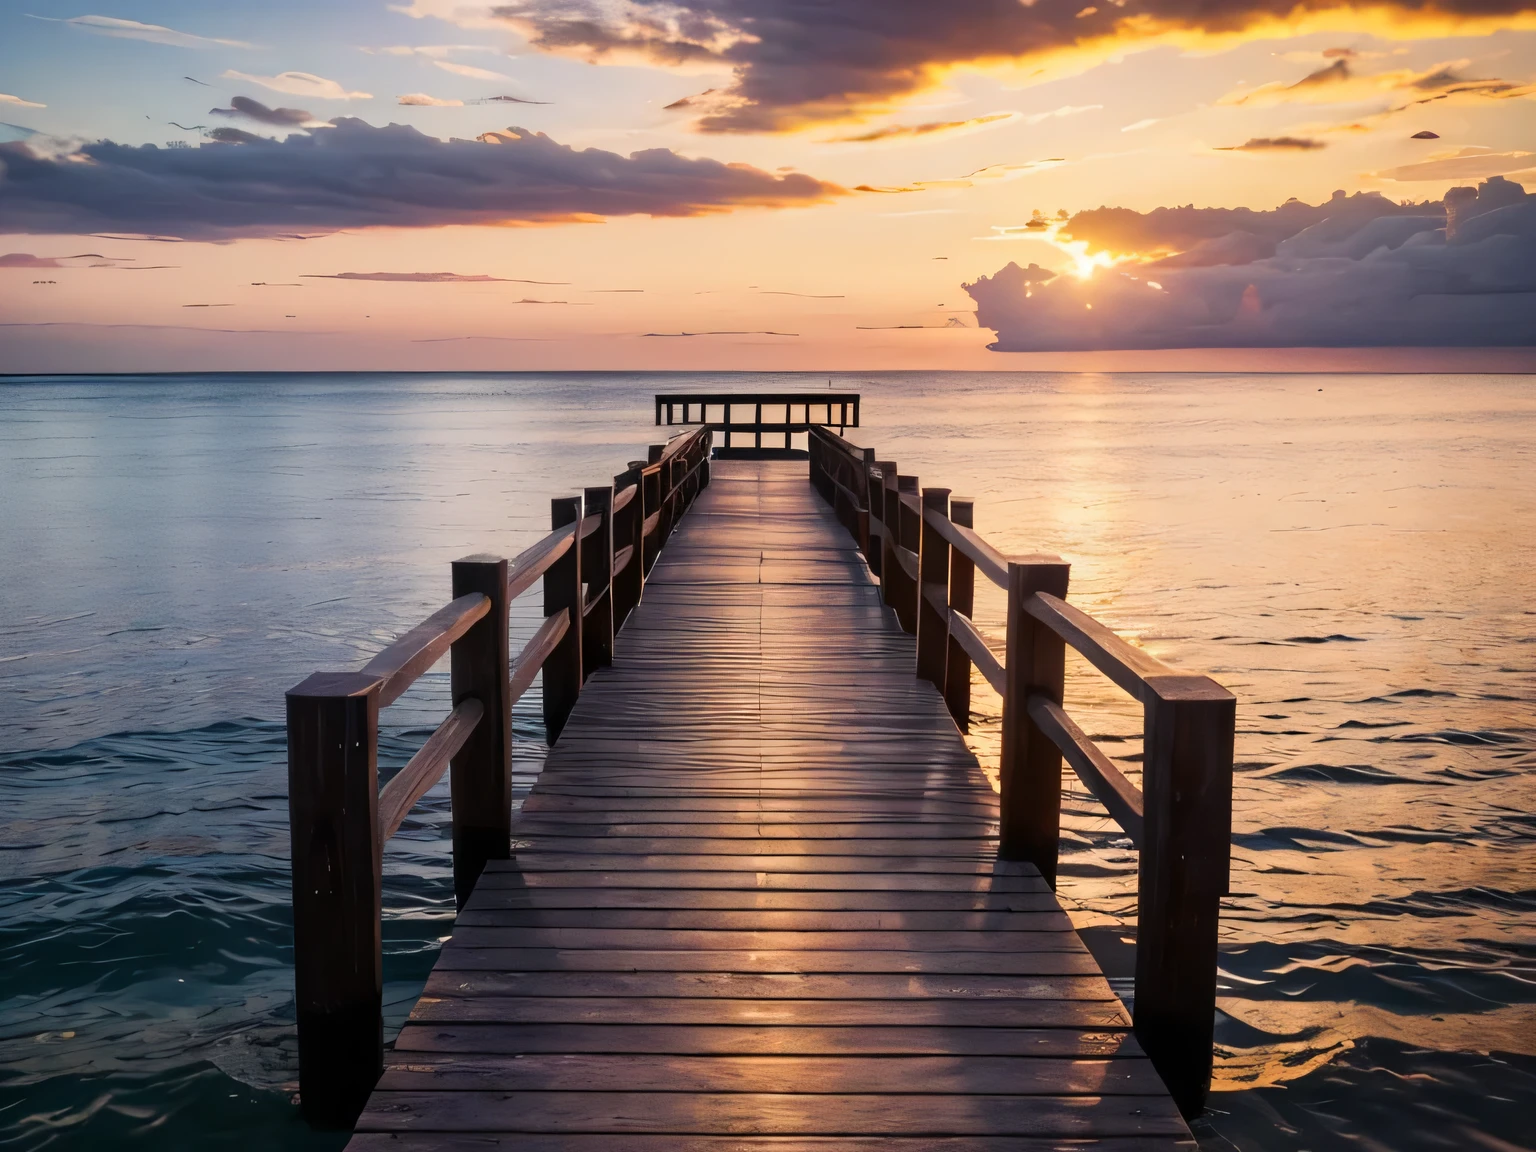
<point>795,65</point>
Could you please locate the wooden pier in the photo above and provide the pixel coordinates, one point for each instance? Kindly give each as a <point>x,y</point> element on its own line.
<point>762,896</point>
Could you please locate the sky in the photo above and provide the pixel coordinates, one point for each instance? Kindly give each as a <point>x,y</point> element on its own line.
<point>767,184</point>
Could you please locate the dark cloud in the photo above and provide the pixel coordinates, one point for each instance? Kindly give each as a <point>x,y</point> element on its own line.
<point>354,175</point>
<point>256,110</point>
<point>1425,135</point>
<point>236,136</point>
<point>798,62</point>
<point>425,278</point>
<point>1277,144</point>
<point>27,260</point>
<point>1352,278</point>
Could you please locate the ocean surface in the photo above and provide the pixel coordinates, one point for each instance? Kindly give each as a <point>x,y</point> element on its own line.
<point>1354,556</point>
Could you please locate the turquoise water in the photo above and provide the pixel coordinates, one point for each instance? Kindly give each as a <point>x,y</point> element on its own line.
<point>1352,555</point>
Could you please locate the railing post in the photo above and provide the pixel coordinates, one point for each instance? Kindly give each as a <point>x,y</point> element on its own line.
<point>597,570</point>
<point>1030,772</point>
<point>481,773</point>
<point>861,488</point>
<point>874,486</point>
<point>333,823</point>
<point>628,531</point>
<point>562,593</point>
<point>1185,858</point>
<point>650,493</point>
<point>962,598</point>
<point>891,572</point>
<point>933,578</point>
<point>909,590</point>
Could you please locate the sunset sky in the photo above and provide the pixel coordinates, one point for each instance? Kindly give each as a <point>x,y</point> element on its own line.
<point>757,183</point>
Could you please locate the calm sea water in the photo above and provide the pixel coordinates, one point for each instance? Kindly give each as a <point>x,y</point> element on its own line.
<point>1352,555</point>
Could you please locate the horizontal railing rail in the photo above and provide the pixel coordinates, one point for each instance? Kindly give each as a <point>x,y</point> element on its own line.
<point>803,411</point>
<point>339,818</point>
<point>922,546</point>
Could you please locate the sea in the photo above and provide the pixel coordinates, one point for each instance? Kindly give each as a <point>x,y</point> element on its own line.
<point>1353,555</point>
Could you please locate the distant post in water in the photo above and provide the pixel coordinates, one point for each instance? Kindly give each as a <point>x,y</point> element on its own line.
<point>480,773</point>
<point>933,592</point>
<point>962,598</point>
<point>333,823</point>
<point>1030,770</point>
<point>562,593</point>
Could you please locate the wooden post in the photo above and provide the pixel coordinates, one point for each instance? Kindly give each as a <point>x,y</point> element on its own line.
<point>874,486</point>
<point>933,579</point>
<point>1030,804</point>
<point>861,487</point>
<point>481,773</point>
<point>597,570</point>
<point>1185,858</point>
<point>562,593</point>
<point>333,821</point>
<point>909,589</point>
<point>891,572</point>
<point>962,598</point>
<point>650,493</point>
<point>628,529</point>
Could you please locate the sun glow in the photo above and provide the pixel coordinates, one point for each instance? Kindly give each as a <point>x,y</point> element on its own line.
<point>1084,263</point>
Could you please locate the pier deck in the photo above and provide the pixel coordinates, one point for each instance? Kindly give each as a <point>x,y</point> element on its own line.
<point>756,902</point>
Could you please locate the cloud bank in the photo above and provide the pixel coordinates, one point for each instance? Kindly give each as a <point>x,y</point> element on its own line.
<point>1357,272</point>
<point>797,62</point>
<point>353,175</point>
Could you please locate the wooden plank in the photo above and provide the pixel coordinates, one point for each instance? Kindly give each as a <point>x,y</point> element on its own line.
<point>981,1075</point>
<point>759,1040</point>
<point>773,985</point>
<point>461,957</point>
<point>761,1112</point>
<point>672,1142</point>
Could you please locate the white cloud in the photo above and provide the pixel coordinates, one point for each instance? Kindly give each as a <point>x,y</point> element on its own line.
<point>17,101</point>
<point>422,100</point>
<point>470,71</point>
<point>431,51</point>
<point>134,30</point>
<point>1464,164</point>
<point>300,84</point>
<point>1064,110</point>
<point>1140,124</point>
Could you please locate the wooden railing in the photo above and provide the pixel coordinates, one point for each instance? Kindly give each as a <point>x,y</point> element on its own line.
<point>921,545</point>
<point>592,567</point>
<point>802,412</point>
